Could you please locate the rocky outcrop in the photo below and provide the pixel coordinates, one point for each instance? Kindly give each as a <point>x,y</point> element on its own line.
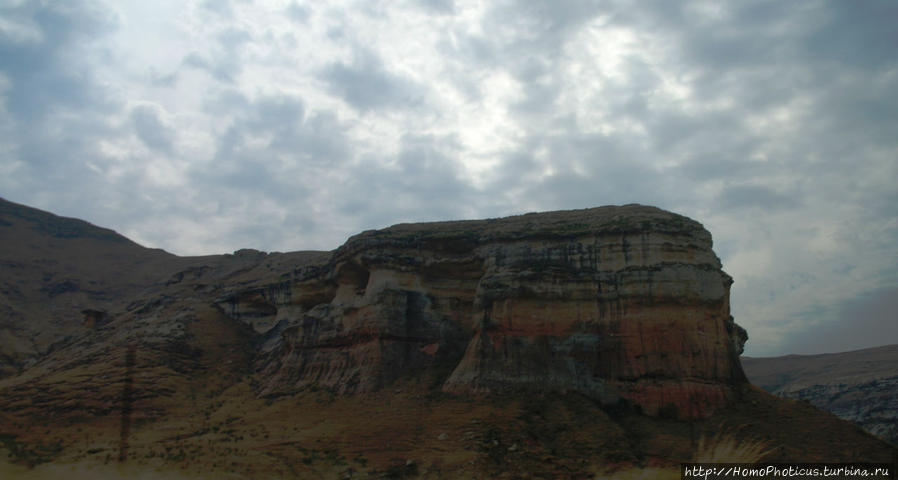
<point>234,363</point>
<point>94,318</point>
<point>621,303</point>
<point>625,304</point>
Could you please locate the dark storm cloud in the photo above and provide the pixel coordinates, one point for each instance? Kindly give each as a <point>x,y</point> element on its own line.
<point>223,68</point>
<point>367,85</point>
<point>760,55</point>
<point>867,321</point>
<point>540,24</point>
<point>422,183</point>
<point>746,33</point>
<point>163,80</point>
<point>525,39</point>
<point>315,139</point>
<point>714,163</point>
<point>44,72</point>
<point>595,169</point>
<point>220,8</point>
<point>541,86</point>
<point>225,102</point>
<point>232,38</point>
<point>857,35</point>
<point>674,132</point>
<point>776,120</point>
<point>273,147</point>
<point>223,63</point>
<point>437,6</point>
<point>755,196</point>
<point>298,13</point>
<point>48,78</point>
<point>151,131</point>
<point>772,122</point>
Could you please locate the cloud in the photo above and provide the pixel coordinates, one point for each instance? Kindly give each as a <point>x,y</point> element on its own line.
<point>383,191</point>
<point>755,196</point>
<point>298,13</point>
<point>296,125</point>
<point>367,85</point>
<point>854,37</point>
<point>42,65</point>
<point>437,6</point>
<point>48,75</point>
<point>232,38</point>
<point>273,147</point>
<point>221,8</point>
<point>224,69</point>
<point>151,131</point>
<point>863,322</point>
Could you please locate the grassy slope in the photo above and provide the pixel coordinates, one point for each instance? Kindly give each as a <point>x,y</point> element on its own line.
<point>794,372</point>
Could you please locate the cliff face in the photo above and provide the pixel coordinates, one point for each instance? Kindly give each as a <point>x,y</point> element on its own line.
<point>616,302</point>
<point>620,303</point>
<point>236,363</point>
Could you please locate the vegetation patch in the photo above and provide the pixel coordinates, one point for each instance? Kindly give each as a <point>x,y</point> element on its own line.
<point>30,455</point>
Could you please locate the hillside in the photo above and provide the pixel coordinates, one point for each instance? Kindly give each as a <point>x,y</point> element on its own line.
<point>51,269</point>
<point>860,386</point>
<point>555,345</point>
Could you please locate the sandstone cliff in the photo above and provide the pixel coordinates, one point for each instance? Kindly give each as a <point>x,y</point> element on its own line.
<point>620,303</point>
<point>616,302</point>
<point>545,344</point>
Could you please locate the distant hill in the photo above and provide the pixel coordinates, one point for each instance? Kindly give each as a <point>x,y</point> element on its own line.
<point>58,273</point>
<point>51,269</point>
<point>861,385</point>
<point>49,225</point>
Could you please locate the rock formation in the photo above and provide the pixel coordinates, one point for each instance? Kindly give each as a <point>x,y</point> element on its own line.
<point>616,302</point>
<point>542,344</point>
<point>620,303</point>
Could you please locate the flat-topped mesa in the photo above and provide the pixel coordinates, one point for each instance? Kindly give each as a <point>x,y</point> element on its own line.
<point>624,302</point>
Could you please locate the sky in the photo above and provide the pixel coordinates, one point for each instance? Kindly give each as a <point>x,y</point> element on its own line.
<point>203,127</point>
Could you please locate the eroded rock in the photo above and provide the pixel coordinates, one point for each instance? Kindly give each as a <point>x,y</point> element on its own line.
<point>616,302</point>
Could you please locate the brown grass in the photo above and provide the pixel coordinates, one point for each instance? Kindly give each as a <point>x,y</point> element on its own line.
<point>89,471</point>
<point>726,447</point>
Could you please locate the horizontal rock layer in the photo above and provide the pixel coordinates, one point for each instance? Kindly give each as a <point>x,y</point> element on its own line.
<point>625,304</point>
<point>621,303</point>
<point>108,349</point>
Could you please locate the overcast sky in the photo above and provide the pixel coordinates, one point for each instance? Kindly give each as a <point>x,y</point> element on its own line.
<point>205,126</point>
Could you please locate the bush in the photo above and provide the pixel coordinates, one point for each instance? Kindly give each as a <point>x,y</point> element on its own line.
<point>669,411</point>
